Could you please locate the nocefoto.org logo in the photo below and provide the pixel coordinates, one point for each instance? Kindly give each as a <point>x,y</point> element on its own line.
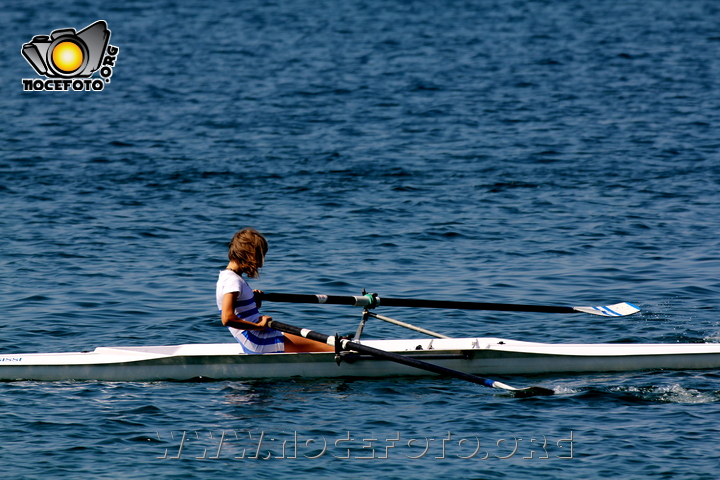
<point>68,59</point>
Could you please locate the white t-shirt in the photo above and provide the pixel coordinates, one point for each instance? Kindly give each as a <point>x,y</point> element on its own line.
<point>266,340</point>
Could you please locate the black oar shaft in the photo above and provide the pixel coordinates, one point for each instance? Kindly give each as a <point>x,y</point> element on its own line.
<point>299,298</point>
<point>411,302</point>
<point>411,362</point>
<point>393,357</point>
<point>505,307</point>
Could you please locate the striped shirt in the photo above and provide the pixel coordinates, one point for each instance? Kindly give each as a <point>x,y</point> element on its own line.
<point>266,340</point>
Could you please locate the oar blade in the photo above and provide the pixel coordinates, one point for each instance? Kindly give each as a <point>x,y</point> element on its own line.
<point>533,392</point>
<point>617,310</point>
<point>522,392</point>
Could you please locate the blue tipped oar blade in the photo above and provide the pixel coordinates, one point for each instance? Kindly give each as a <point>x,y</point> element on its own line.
<point>521,392</point>
<point>617,310</point>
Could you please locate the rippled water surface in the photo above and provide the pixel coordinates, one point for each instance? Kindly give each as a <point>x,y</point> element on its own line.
<point>548,152</point>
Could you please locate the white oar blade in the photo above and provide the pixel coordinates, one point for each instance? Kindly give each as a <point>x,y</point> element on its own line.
<point>522,392</point>
<point>617,310</point>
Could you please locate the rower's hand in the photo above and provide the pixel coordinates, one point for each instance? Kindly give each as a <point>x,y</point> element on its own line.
<point>258,298</point>
<point>263,321</point>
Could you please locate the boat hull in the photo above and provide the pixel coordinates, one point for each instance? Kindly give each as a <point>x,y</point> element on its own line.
<point>479,356</point>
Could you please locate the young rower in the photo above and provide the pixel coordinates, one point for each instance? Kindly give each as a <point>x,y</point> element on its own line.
<point>238,307</point>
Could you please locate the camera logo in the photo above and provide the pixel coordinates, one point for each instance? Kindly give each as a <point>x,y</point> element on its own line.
<point>68,59</point>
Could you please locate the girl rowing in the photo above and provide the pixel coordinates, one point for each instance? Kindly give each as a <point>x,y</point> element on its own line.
<point>238,307</point>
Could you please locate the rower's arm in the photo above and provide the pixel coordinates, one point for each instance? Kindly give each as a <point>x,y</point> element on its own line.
<point>229,319</point>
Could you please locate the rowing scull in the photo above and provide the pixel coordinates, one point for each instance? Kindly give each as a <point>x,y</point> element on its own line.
<point>479,356</point>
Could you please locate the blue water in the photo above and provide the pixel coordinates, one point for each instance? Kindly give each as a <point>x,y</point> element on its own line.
<point>549,152</point>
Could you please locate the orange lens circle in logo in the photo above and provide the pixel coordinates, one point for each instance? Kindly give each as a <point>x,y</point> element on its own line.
<point>67,56</point>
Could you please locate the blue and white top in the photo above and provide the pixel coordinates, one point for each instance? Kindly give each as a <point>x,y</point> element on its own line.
<point>266,340</point>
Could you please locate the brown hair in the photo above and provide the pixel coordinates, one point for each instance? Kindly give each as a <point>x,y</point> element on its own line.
<point>248,248</point>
